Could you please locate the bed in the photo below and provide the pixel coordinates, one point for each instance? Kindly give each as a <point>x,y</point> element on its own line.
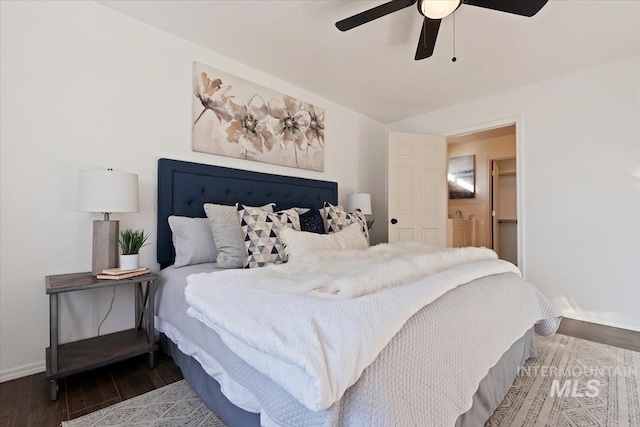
<point>391,390</point>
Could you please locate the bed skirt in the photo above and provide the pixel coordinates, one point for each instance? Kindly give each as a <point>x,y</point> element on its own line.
<point>492,389</point>
<point>207,388</point>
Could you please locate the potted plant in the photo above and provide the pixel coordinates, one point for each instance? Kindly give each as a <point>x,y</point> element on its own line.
<point>130,242</point>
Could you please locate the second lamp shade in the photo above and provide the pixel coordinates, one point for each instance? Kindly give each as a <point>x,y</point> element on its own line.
<point>360,201</point>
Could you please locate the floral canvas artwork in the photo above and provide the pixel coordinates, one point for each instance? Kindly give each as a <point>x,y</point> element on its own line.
<point>237,118</point>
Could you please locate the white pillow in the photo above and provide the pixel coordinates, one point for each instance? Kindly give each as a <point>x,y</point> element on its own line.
<point>301,243</point>
<point>192,240</point>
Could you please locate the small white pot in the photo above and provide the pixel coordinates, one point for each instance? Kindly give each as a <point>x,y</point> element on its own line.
<point>129,262</point>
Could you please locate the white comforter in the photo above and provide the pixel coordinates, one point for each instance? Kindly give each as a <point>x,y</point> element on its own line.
<point>315,348</point>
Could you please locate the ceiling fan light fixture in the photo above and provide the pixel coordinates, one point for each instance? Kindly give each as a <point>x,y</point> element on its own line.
<point>433,12</point>
<point>437,9</point>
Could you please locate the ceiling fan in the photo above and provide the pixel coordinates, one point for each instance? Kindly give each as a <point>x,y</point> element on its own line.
<point>433,12</point>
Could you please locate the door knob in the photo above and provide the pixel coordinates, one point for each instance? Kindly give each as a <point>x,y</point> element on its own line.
<point>394,221</point>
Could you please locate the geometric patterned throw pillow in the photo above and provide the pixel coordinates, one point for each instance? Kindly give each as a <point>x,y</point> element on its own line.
<point>262,234</point>
<point>335,219</point>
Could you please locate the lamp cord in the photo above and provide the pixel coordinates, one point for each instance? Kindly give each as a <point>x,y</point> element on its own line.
<point>113,296</point>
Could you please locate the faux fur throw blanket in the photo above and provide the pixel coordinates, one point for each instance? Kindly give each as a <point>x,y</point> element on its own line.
<point>353,273</point>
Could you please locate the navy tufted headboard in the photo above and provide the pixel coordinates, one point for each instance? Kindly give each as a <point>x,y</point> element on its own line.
<point>183,188</point>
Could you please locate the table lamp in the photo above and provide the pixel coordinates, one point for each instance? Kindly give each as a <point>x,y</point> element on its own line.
<point>361,202</point>
<point>106,191</point>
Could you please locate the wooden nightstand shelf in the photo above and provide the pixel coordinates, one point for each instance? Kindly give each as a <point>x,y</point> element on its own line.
<point>84,355</point>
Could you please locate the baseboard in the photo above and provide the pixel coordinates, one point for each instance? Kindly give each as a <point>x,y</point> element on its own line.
<point>603,321</point>
<point>22,371</point>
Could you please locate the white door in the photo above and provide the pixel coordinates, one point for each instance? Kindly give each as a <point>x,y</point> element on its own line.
<point>417,188</point>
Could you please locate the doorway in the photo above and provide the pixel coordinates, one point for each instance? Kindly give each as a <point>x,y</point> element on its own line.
<point>504,208</point>
<point>477,216</point>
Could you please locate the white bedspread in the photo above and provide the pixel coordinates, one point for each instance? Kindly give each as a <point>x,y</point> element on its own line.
<point>313,348</point>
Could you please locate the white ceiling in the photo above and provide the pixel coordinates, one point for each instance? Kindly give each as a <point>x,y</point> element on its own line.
<point>371,69</point>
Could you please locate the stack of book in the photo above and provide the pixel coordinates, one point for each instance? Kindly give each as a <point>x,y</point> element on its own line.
<point>119,274</point>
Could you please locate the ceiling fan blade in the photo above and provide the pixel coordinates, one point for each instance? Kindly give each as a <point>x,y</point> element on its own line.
<point>428,36</point>
<point>518,7</point>
<point>374,13</point>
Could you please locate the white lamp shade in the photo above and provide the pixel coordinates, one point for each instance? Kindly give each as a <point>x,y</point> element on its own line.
<point>360,201</point>
<point>438,9</point>
<point>107,191</point>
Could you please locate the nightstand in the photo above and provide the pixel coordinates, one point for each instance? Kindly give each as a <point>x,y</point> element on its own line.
<point>79,356</point>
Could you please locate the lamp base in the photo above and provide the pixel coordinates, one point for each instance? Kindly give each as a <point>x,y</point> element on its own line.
<point>105,246</point>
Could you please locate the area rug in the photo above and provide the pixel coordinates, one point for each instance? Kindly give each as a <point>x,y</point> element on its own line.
<point>572,382</point>
<point>174,405</point>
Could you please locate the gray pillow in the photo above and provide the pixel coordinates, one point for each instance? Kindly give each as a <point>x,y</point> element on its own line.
<point>227,233</point>
<point>193,240</point>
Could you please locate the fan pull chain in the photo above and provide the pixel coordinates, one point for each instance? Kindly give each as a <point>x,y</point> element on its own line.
<point>454,59</point>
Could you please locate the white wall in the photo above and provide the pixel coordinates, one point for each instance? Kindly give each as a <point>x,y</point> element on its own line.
<point>581,170</point>
<point>83,87</point>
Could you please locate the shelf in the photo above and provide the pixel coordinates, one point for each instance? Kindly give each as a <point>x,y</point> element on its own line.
<point>81,281</point>
<point>507,221</point>
<point>84,355</point>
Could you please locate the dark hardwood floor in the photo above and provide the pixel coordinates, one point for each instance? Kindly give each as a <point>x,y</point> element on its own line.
<point>25,401</point>
<point>616,337</point>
